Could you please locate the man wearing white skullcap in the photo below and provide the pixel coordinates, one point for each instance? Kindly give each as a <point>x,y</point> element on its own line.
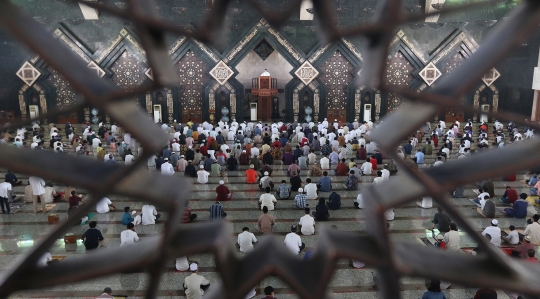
<point>167,168</point>
<point>223,192</point>
<point>494,231</point>
<point>193,283</point>
<point>202,175</point>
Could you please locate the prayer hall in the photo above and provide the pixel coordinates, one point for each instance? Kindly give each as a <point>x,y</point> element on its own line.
<point>285,149</point>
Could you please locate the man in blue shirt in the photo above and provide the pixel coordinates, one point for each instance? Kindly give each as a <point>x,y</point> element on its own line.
<point>334,201</point>
<point>166,153</point>
<point>297,153</point>
<point>217,212</point>
<point>325,183</point>
<point>126,217</point>
<point>407,148</point>
<point>111,160</point>
<point>12,178</point>
<point>300,199</point>
<point>92,238</point>
<point>283,140</point>
<point>283,191</point>
<point>419,157</point>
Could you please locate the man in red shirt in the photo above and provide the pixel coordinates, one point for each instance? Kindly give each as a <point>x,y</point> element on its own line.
<point>510,195</point>
<point>223,193</point>
<point>530,256</point>
<point>221,154</point>
<point>244,158</point>
<point>361,153</point>
<point>251,175</point>
<point>373,161</point>
<point>276,143</point>
<point>342,168</point>
<point>523,249</point>
<point>74,199</point>
<point>204,149</point>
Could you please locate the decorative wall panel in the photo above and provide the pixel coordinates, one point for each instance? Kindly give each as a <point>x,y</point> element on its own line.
<point>65,94</point>
<point>128,72</point>
<point>336,77</point>
<point>398,70</point>
<point>28,73</point>
<point>394,101</point>
<point>193,74</point>
<point>452,63</point>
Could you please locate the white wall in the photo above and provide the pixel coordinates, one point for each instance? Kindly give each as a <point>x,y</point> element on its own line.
<point>252,66</point>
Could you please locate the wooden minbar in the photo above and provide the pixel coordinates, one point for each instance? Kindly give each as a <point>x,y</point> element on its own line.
<point>264,87</point>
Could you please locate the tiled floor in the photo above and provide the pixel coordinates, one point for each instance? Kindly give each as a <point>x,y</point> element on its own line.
<point>19,231</point>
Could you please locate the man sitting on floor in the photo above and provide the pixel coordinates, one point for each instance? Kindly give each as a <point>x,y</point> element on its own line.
<point>513,237</point>
<point>352,182</point>
<point>519,207</point>
<point>223,193</point>
<point>510,195</point>
<point>284,190</point>
<point>487,209</point>
<point>325,183</point>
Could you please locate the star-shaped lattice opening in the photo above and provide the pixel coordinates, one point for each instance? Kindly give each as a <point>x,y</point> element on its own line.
<point>307,278</point>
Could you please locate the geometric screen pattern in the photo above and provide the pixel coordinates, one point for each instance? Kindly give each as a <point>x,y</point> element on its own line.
<point>65,94</point>
<point>128,72</point>
<point>453,63</point>
<point>398,71</point>
<point>336,76</point>
<point>390,258</point>
<point>193,74</point>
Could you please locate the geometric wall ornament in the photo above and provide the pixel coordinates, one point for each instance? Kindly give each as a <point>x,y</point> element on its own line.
<point>306,72</point>
<point>28,73</point>
<point>491,76</point>
<point>336,76</point>
<point>192,75</point>
<point>93,66</point>
<point>221,72</point>
<point>149,74</point>
<point>127,71</point>
<point>263,49</point>
<point>399,70</point>
<point>430,73</point>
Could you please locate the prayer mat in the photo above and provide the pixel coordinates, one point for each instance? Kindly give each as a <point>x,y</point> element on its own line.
<point>467,250</point>
<point>49,207</point>
<point>532,199</point>
<point>15,207</point>
<point>427,241</point>
<point>506,249</point>
<point>474,203</point>
<point>477,210</point>
<point>58,257</point>
<point>502,212</point>
<point>90,215</point>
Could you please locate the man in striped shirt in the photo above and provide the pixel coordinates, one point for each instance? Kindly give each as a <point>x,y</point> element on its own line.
<point>217,212</point>
<point>300,199</point>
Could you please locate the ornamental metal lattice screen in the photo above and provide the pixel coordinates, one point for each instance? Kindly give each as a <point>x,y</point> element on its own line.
<point>309,279</point>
